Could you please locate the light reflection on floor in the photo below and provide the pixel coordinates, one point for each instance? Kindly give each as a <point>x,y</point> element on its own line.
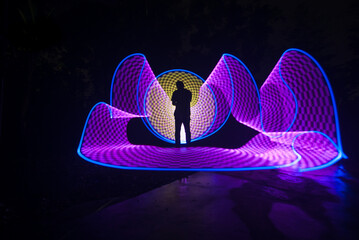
<point>266,204</point>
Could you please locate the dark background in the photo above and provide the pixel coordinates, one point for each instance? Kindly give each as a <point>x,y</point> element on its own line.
<point>58,58</point>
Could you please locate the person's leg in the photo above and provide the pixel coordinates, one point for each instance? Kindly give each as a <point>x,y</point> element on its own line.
<point>178,124</point>
<point>187,129</point>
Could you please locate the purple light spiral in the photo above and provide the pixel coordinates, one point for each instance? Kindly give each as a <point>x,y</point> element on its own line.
<point>294,113</point>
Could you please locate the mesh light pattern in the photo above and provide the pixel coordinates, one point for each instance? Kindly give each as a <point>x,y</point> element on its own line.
<point>294,113</point>
<point>160,111</point>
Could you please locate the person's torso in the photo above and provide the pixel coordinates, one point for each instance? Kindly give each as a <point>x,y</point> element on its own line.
<point>183,99</point>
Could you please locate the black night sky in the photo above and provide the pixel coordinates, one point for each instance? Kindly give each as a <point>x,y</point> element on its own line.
<point>58,58</point>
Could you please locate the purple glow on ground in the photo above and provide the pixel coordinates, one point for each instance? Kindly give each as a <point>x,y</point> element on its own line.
<point>293,112</point>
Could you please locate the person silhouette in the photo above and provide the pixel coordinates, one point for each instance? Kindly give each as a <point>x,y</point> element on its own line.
<point>182,98</point>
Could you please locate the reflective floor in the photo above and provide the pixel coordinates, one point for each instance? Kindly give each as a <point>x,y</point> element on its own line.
<point>266,204</point>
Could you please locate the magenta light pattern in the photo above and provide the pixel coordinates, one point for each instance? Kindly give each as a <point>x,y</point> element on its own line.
<point>294,113</point>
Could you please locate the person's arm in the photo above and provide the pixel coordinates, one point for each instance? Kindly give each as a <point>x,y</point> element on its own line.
<point>174,99</point>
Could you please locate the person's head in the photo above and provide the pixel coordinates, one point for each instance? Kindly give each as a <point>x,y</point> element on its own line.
<point>179,84</point>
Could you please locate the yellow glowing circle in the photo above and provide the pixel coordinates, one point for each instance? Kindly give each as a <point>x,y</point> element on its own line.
<point>190,81</point>
<point>160,111</point>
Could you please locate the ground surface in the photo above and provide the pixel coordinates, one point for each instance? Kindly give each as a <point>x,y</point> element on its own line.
<point>267,204</point>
